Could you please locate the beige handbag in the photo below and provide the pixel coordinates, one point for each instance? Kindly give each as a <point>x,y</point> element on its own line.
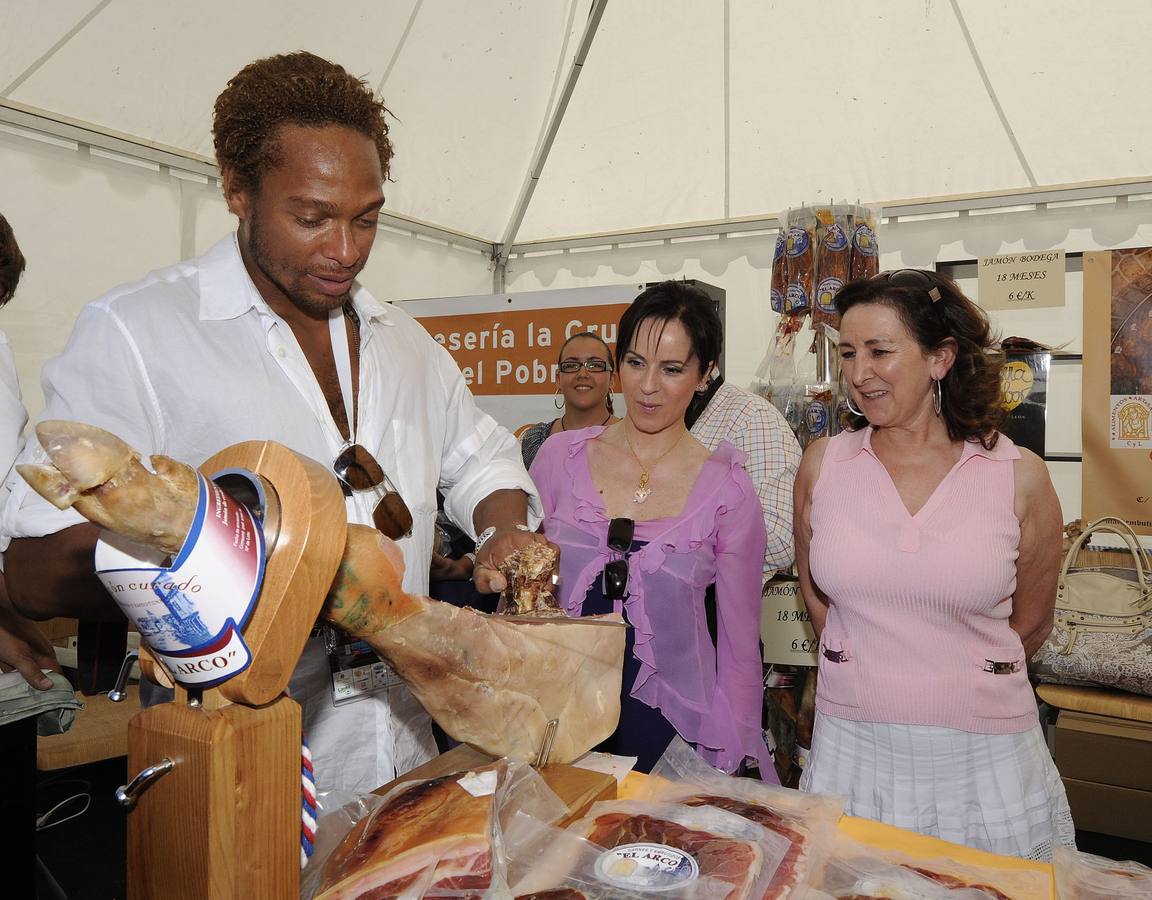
<point>1102,633</point>
<point>1104,598</point>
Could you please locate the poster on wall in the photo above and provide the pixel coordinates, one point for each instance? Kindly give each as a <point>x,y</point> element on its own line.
<point>1024,394</point>
<point>1117,403</point>
<point>507,345</point>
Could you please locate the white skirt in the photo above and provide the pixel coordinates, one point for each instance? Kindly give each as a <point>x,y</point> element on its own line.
<point>994,792</point>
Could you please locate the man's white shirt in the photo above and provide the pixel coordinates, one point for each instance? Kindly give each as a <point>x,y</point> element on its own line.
<point>191,360</point>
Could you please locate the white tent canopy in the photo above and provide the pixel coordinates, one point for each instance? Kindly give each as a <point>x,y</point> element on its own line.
<point>667,136</point>
<point>685,110</point>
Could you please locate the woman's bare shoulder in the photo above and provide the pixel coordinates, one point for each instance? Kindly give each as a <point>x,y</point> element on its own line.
<point>812,459</point>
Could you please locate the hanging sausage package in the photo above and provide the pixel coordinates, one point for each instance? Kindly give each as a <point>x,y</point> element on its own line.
<point>833,259</point>
<point>807,821</point>
<point>800,257</point>
<point>865,260</point>
<point>779,273</point>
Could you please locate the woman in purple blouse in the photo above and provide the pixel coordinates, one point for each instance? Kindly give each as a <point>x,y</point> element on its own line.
<point>646,518</point>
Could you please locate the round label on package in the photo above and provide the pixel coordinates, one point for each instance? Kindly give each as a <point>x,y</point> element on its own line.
<point>651,867</point>
<point>826,292</point>
<point>835,238</point>
<point>816,418</point>
<point>798,241</point>
<point>864,240</point>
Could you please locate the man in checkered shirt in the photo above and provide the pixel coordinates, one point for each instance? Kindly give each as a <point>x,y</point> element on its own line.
<point>755,426</point>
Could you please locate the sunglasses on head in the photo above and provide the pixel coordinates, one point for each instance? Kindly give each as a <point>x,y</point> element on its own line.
<point>596,366</point>
<point>357,470</point>
<point>911,278</point>
<point>620,532</point>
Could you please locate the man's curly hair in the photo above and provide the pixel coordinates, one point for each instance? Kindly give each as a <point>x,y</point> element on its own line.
<point>11,262</point>
<point>290,89</point>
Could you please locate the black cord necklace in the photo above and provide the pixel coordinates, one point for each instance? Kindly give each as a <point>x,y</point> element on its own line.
<point>605,422</point>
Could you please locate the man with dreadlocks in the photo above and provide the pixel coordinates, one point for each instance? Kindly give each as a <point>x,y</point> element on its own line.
<point>268,336</point>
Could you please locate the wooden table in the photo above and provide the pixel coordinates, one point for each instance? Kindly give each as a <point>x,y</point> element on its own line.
<point>99,732</point>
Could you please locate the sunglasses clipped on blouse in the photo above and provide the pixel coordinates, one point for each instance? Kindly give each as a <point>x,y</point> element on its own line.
<point>620,532</point>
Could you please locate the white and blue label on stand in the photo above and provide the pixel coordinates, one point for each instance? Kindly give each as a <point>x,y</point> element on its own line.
<point>191,611</point>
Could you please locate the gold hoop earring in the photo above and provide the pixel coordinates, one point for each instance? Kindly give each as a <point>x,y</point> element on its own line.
<point>937,396</point>
<point>559,405</point>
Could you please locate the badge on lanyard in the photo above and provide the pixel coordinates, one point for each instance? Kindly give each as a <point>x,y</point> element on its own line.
<point>357,672</point>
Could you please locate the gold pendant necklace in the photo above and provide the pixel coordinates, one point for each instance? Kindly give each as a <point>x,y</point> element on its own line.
<point>642,491</point>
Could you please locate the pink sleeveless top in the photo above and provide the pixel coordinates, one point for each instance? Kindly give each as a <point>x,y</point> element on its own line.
<point>917,630</point>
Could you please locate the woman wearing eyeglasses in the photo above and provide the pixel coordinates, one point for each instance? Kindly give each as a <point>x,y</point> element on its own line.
<point>646,518</point>
<point>584,380</point>
<point>928,547</point>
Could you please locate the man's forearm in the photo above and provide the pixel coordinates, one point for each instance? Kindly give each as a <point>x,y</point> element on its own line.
<point>501,509</point>
<point>54,576</point>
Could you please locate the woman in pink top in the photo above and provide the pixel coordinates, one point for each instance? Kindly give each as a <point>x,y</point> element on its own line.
<point>928,547</point>
<point>646,518</point>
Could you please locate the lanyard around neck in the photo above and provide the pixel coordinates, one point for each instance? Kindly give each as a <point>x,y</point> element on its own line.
<point>339,334</point>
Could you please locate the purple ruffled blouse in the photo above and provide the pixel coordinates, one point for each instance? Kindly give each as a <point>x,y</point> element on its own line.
<point>712,696</point>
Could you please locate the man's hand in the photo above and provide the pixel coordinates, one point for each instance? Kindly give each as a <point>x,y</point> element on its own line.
<point>24,647</point>
<point>488,573</point>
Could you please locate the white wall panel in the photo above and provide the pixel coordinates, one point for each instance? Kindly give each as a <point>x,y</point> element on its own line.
<point>84,224</point>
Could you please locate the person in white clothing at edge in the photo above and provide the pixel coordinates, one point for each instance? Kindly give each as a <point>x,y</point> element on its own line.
<point>23,647</point>
<point>253,341</point>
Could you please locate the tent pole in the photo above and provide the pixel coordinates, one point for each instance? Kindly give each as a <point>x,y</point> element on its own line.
<point>540,157</point>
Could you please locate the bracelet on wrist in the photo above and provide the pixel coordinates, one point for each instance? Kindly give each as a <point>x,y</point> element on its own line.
<point>484,535</point>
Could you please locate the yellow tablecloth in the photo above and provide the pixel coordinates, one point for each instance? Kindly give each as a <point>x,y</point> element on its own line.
<point>889,837</point>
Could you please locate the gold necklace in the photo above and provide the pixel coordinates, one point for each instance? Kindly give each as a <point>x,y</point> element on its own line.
<point>642,490</point>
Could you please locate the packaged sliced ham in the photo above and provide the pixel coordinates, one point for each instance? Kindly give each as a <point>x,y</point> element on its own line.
<point>659,845</point>
<point>863,870</point>
<point>807,821</point>
<point>1082,876</point>
<point>545,863</point>
<point>864,878</point>
<point>433,838</point>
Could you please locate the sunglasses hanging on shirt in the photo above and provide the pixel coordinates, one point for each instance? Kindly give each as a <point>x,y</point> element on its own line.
<point>615,576</point>
<point>357,470</point>
<point>355,467</point>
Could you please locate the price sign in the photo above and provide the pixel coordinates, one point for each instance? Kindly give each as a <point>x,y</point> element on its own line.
<point>785,626</point>
<point>1022,280</point>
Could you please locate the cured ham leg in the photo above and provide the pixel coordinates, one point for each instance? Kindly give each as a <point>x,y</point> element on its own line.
<point>102,478</point>
<point>491,681</point>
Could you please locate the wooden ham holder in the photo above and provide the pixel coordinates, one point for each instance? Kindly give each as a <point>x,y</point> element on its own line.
<point>215,804</point>
<point>223,819</point>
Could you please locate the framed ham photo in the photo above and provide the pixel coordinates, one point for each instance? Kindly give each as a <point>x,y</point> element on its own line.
<point>1117,401</point>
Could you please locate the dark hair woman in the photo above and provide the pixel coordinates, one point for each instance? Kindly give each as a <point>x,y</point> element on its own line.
<point>646,518</point>
<point>928,546</point>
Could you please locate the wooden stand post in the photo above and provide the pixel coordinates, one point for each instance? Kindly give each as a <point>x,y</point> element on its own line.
<point>224,821</point>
